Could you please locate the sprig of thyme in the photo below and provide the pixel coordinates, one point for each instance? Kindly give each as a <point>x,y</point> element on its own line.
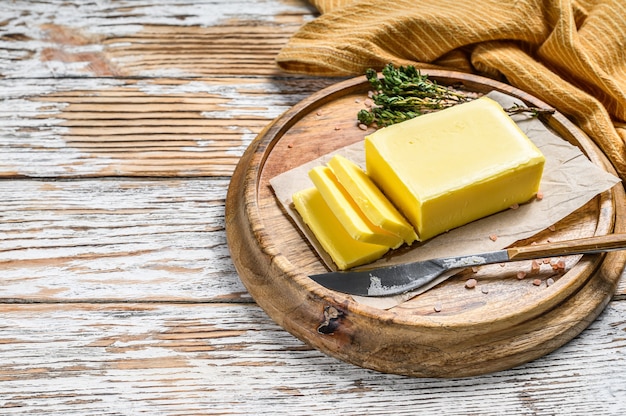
<point>404,93</point>
<point>534,111</point>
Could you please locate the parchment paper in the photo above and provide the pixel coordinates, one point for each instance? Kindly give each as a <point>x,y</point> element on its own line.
<point>569,181</point>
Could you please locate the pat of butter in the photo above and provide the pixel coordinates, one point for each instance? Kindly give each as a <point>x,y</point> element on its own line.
<point>370,200</point>
<point>448,168</point>
<point>345,251</point>
<point>347,212</point>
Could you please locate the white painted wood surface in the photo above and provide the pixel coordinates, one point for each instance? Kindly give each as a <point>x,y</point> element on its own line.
<point>180,359</point>
<point>120,124</point>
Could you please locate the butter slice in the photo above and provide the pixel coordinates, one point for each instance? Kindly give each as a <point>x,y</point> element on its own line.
<point>370,200</point>
<point>448,168</point>
<point>345,251</point>
<point>347,212</point>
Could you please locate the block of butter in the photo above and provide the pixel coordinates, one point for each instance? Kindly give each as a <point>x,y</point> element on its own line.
<point>345,251</point>
<point>448,168</point>
<point>348,213</point>
<point>370,200</point>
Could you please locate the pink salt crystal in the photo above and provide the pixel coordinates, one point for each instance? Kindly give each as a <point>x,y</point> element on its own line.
<point>470,283</point>
<point>558,265</point>
<point>535,266</point>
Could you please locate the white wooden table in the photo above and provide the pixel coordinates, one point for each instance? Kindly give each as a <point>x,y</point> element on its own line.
<point>120,125</point>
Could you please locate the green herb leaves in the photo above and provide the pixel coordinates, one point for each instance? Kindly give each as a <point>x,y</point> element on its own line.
<point>404,93</point>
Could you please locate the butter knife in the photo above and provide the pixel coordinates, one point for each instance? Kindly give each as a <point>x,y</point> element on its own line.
<point>402,278</point>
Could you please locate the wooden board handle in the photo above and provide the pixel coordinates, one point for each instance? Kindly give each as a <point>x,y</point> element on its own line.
<point>599,244</point>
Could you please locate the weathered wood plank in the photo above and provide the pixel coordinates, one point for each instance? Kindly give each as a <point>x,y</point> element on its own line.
<point>181,359</point>
<point>117,239</point>
<point>145,38</point>
<point>165,127</point>
<point>55,124</point>
<point>103,240</point>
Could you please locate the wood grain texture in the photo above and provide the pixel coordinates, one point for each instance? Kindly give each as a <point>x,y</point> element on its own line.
<point>121,122</point>
<point>150,127</point>
<point>181,359</point>
<point>53,39</point>
<point>141,88</point>
<point>118,239</point>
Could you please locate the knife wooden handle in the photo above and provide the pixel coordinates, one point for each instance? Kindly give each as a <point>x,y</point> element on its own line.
<point>599,244</point>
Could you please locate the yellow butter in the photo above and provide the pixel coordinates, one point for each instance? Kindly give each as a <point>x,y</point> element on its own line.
<point>448,168</point>
<point>370,200</point>
<point>347,212</point>
<point>345,251</point>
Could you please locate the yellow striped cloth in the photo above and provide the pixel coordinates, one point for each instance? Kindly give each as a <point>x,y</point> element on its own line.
<point>569,53</point>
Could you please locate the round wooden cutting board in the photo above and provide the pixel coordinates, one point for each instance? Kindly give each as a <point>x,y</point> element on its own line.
<point>448,331</point>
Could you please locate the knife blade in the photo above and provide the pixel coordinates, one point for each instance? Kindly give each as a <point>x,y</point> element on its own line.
<point>402,278</point>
